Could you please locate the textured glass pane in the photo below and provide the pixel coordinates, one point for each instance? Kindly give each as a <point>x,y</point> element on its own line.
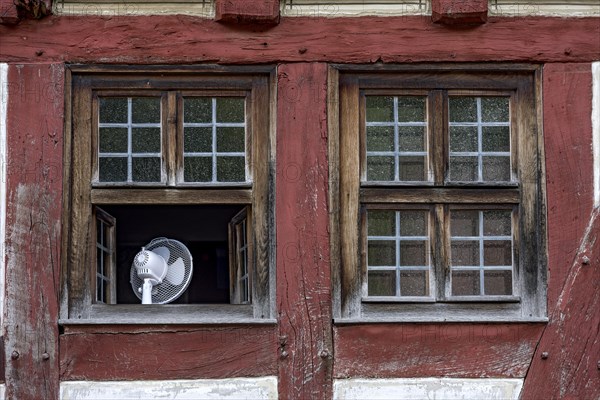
<point>380,168</point>
<point>414,283</point>
<point>113,110</point>
<point>113,140</point>
<point>497,223</point>
<point>494,109</point>
<point>230,140</point>
<point>496,169</point>
<point>230,109</point>
<point>413,223</point>
<point>465,283</point>
<point>411,138</point>
<point>380,108</point>
<point>463,109</point>
<point>381,223</point>
<point>145,140</point>
<point>231,169</point>
<point>380,138</point>
<point>382,283</point>
<point>463,138</point>
<point>463,169</point>
<point>497,252</point>
<point>411,109</point>
<point>381,253</point>
<point>497,283</point>
<point>197,140</point>
<point>412,168</point>
<point>495,138</point>
<point>464,223</point>
<point>145,110</point>
<point>113,169</point>
<point>145,169</point>
<point>197,169</point>
<point>465,253</point>
<point>413,253</point>
<point>197,110</point>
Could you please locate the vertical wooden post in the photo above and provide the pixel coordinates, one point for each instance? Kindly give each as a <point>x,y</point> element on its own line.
<point>33,226</point>
<point>303,270</point>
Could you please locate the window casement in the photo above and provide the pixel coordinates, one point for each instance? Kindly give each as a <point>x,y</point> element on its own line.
<point>182,153</point>
<point>437,176</point>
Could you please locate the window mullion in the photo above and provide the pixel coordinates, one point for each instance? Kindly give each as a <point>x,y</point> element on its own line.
<point>437,134</point>
<point>170,138</point>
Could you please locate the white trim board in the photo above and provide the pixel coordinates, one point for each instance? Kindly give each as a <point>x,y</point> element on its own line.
<point>596,129</point>
<point>427,388</point>
<point>3,162</point>
<point>206,389</point>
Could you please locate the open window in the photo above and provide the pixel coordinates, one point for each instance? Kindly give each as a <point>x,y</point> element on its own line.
<point>176,154</point>
<point>440,195</point>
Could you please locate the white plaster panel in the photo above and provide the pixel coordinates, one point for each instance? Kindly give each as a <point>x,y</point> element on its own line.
<point>234,388</point>
<point>2,391</point>
<point>427,388</point>
<point>596,129</point>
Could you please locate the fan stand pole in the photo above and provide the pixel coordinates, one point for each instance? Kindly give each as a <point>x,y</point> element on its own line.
<point>147,292</point>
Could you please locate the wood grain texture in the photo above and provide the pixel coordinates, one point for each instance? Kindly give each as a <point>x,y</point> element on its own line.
<point>8,13</point>
<point>247,11</point>
<point>459,12</point>
<point>571,338</point>
<point>181,39</point>
<point>432,350</point>
<point>303,270</point>
<point>34,185</point>
<point>167,352</point>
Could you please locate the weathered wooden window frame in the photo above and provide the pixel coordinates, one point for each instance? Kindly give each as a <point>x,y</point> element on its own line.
<point>351,195</point>
<point>82,192</point>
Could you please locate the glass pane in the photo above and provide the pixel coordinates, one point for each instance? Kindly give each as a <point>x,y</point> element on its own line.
<point>497,283</point>
<point>380,108</point>
<point>113,140</point>
<point>99,290</point>
<point>413,253</point>
<point>411,109</point>
<point>463,109</point>
<point>465,253</point>
<point>197,110</point>
<point>381,253</point>
<point>464,223</point>
<point>381,223</point>
<point>231,140</point>
<point>99,263</point>
<point>113,110</point>
<point>494,109</point>
<point>112,169</point>
<point>145,140</point>
<point>106,239</point>
<point>463,169</point>
<point>106,287</point>
<point>496,169</point>
<point>145,110</point>
<point>413,223</point>
<point>197,140</point>
<point>380,138</point>
<point>380,168</point>
<point>463,138</point>
<point>230,109</point>
<point>412,168</point>
<point>497,252</point>
<point>231,169</point>
<point>497,223</point>
<point>99,230</point>
<point>197,169</point>
<point>495,138</point>
<point>465,283</point>
<point>411,138</point>
<point>382,283</point>
<point>414,283</point>
<point>145,169</point>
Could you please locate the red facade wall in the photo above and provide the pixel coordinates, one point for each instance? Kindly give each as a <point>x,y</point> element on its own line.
<point>306,350</point>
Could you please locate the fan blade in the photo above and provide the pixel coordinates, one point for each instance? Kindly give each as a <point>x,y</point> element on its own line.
<point>163,252</point>
<point>176,272</point>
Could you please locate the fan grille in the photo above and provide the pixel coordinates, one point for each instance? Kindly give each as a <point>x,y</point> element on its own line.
<point>166,292</point>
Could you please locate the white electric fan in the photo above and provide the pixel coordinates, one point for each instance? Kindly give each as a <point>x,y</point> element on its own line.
<point>161,271</point>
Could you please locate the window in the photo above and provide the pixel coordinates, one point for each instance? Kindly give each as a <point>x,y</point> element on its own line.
<point>182,154</point>
<point>440,194</point>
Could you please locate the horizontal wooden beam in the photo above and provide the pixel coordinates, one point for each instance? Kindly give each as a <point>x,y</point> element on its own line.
<point>171,196</point>
<point>439,195</point>
<point>247,11</point>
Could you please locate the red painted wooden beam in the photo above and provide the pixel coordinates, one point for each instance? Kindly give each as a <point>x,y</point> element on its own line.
<point>8,13</point>
<point>247,11</point>
<point>459,12</point>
